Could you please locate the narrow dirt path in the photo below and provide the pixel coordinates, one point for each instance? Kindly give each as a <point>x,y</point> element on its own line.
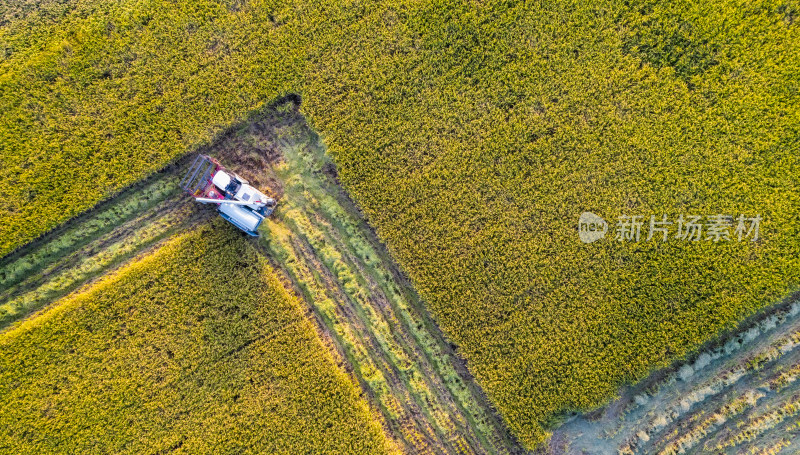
<point>740,394</point>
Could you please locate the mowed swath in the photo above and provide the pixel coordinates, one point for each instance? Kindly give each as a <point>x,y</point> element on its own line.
<point>196,348</point>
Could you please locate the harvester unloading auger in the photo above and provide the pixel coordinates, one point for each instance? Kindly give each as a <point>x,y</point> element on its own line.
<point>208,182</point>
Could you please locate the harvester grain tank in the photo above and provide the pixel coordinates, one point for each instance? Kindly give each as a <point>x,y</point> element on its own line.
<point>208,182</point>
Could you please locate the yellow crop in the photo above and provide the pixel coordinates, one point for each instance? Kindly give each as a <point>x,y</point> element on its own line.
<point>472,134</point>
<point>196,347</point>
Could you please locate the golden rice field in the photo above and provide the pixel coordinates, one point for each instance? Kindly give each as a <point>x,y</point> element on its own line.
<point>159,357</point>
<point>472,135</point>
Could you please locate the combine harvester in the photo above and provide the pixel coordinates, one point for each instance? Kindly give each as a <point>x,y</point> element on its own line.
<point>209,182</point>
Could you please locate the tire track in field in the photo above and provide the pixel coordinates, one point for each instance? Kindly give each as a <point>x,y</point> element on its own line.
<point>410,345</point>
<point>408,420</point>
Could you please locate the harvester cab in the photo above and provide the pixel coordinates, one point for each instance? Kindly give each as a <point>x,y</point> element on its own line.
<point>208,182</point>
